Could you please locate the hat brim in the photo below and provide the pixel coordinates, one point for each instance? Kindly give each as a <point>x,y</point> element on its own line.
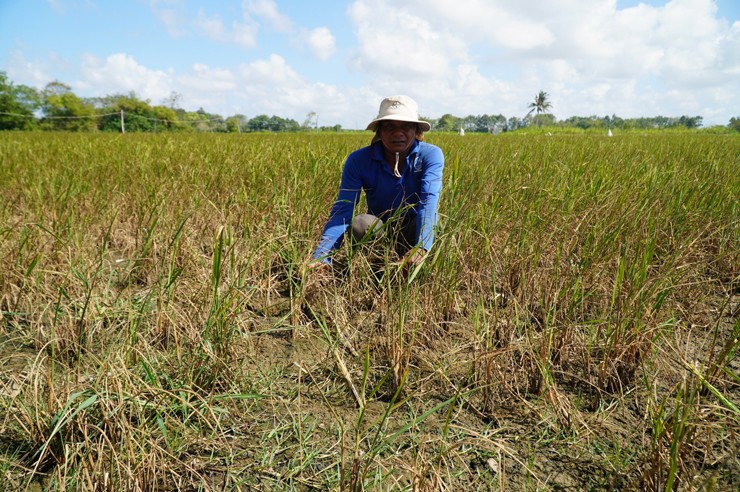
<point>425,126</point>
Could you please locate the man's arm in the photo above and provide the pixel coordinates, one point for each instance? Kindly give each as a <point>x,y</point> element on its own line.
<point>340,216</point>
<point>431,186</point>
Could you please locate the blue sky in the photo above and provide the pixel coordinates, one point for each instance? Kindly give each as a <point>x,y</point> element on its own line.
<point>339,58</point>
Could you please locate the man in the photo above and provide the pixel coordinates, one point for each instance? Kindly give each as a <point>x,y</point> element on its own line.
<point>402,179</point>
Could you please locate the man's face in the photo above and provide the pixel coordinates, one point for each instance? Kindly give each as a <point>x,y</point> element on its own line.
<point>397,136</point>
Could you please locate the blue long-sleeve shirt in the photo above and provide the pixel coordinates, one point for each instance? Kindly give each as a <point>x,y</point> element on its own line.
<point>417,189</point>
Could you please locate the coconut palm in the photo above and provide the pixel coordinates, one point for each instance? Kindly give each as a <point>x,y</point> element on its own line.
<point>540,105</point>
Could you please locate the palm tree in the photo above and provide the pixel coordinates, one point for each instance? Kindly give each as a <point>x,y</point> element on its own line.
<point>540,105</point>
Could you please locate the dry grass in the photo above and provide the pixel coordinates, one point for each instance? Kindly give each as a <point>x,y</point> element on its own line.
<point>576,327</point>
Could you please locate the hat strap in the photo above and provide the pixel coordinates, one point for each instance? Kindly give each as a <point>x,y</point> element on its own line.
<point>395,168</point>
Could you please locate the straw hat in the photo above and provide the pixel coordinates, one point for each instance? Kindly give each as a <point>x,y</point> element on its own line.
<point>399,108</point>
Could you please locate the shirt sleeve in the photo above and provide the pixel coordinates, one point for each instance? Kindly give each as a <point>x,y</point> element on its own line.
<point>341,213</point>
<point>431,186</point>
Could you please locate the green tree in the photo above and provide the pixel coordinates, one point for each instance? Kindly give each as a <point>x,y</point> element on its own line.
<point>260,123</point>
<point>165,118</point>
<point>263,123</point>
<point>690,121</point>
<point>278,124</point>
<point>135,113</point>
<point>490,123</point>
<point>541,104</point>
<point>614,122</point>
<point>173,100</point>
<point>17,105</point>
<point>138,114</point>
<point>63,110</point>
<point>735,123</point>
<point>333,128</point>
<point>236,123</point>
<point>311,122</point>
<point>448,123</point>
<point>202,121</point>
<point>513,123</point>
<point>469,123</point>
<point>584,122</point>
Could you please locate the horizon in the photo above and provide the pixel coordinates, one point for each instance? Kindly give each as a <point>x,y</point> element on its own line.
<point>626,58</point>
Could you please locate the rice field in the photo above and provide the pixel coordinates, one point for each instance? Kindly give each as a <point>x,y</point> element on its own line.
<point>574,328</point>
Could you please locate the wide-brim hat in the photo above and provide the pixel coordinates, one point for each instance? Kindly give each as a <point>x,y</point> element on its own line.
<point>399,108</point>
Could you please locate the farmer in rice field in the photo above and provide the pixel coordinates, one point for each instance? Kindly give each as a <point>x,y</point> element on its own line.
<point>402,178</point>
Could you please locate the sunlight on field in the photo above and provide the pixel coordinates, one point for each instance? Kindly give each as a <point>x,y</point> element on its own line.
<point>575,326</point>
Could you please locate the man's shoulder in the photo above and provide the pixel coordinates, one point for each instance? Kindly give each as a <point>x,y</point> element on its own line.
<point>364,154</point>
<point>427,149</point>
<point>425,144</point>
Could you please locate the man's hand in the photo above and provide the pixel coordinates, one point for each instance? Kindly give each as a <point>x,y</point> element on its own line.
<point>413,258</point>
<point>318,266</point>
<point>317,276</point>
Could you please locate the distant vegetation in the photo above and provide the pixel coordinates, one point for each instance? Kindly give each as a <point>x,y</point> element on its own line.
<point>56,107</point>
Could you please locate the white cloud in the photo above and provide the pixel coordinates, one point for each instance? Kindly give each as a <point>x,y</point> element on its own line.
<point>397,43</point>
<point>241,33</point>
<point>469,57</point>
<point>244,34</point>
<point>501,23</point>
<point>207,88</point>
<point>273,71</point>
<point>320,42</point>
<point>256,14</point>
<point>212,27</point>
<point>26,72</point>
<point>169,12</point>
<point>206,79</point>
<point>121,73</point>
<point>270,86</point>
<point>691,35</point>
<point>590,56</point>
<point>267,9</point>
<point>729,49</point>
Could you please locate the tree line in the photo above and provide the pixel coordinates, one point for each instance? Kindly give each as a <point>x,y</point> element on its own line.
<point>499,123</point>
<point>541,107</point>
<point>57,107</point>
